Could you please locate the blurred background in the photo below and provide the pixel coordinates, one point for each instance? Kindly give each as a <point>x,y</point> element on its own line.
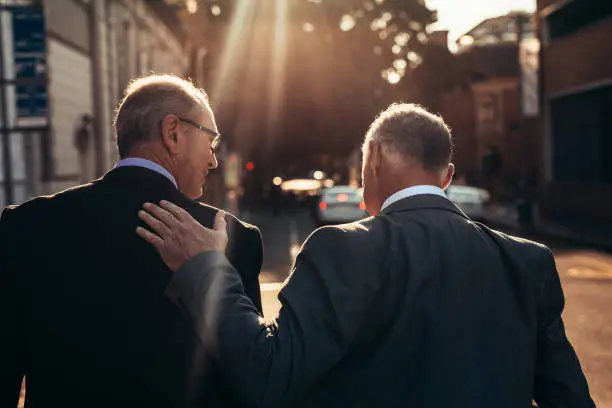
<point>525,85</point>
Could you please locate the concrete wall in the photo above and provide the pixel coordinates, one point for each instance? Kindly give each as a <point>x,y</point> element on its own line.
<point>137,42</point>
<point>71,96</point>
<point>70,87</point>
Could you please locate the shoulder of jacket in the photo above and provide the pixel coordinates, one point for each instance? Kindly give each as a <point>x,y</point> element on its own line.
<point>229,217</point>
<point>355,236</point>
<point>519,243</point>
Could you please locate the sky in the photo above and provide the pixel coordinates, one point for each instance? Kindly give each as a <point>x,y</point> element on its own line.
<point>459,16</point>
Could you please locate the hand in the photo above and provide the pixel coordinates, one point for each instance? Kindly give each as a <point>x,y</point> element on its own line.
<point>178,236</point>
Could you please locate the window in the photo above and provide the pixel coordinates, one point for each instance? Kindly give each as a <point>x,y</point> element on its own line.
<point>509,36</point>
<point>581,141</point>
<point>479,32</point>
<point>488,39</point>
<point>488,111</point>
<point>575,15</point>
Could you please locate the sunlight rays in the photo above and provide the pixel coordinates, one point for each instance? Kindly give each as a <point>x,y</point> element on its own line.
<point>278,67</point>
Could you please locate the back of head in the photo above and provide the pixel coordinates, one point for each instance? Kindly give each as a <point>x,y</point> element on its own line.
<point>410,132</point>
<point>147,101</point>
<point>405,146</point>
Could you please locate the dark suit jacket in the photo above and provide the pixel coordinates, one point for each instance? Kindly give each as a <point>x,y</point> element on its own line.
<point>417,307</point>
<point>82,310</point>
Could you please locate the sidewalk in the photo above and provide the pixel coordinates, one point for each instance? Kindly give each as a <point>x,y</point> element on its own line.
<point>582,234</point>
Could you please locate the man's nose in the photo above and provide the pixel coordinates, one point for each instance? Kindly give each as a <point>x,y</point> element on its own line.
<point>214,163</point>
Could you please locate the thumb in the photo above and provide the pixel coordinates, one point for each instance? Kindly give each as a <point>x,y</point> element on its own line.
<point>220,223</point>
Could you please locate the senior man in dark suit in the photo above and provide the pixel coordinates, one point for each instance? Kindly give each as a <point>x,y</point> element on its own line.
<point>82,308</point>
<point>416,306</point>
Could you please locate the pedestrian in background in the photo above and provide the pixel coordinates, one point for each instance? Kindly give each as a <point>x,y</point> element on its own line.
<point>83,138</point>
<point>492,164</point>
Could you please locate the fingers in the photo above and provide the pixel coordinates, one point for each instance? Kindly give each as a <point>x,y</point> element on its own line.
<point>220,223</point>
<point>161,214</point>
<point>175,210</point>
<point>151,238</point>
<point>156,225</point>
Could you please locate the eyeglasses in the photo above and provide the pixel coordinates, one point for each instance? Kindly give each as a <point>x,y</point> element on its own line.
<point>214,145</point>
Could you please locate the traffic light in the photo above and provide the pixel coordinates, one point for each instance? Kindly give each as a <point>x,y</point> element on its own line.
<point>250,166</point>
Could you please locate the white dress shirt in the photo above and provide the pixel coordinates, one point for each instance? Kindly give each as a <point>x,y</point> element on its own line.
<point>412,191</point>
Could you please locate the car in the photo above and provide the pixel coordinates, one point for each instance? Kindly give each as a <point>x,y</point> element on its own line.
<point>471,200</point>
<point>340,204</point>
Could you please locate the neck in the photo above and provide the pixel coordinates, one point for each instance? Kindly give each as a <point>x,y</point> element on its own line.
<point>152,155</point>
<point>399,180</point>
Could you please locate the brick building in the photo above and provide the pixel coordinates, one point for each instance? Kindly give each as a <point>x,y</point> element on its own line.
<point>484,109</point>
<point>576,90</point>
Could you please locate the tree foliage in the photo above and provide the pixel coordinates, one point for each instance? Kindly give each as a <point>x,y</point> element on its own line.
<point>385,33</point>
<point>344,61</point>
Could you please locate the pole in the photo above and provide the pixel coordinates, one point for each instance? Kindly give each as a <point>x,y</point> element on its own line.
<point>6,147</point>
<point>519,21</point>
<point>114,70</point>
<point>100,86</point>
<point>525,207</point>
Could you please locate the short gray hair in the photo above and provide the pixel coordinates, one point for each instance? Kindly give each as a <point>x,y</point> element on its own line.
<point>413,132</point>
<point>147,101</point>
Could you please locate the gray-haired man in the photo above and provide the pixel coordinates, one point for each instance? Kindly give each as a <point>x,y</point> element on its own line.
<point>82,306</point>
<point>417,306</point>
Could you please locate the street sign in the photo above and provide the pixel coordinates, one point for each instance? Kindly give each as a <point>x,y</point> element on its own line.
<point>29,56</point>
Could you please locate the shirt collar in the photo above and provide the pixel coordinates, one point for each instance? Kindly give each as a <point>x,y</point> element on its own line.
<point>412,191</point>
<point>147,164</point>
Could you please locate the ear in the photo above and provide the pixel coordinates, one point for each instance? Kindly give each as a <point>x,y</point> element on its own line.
<point>448,177</point>
<point>169,133</point>
<point>375,157</point>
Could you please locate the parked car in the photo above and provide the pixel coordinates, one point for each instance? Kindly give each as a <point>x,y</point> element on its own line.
<point>471,200</point>
<point>340,204</point>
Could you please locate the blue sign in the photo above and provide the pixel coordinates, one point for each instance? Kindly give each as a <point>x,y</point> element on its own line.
<point>31,101</point>
<point>29,53</point>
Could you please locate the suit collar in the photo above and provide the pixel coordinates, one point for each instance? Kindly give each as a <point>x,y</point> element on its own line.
<point>421,202</point>
<point>138,177</point>
<point>147,164</point>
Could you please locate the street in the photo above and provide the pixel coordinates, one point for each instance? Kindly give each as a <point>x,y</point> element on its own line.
<point>586,276</point>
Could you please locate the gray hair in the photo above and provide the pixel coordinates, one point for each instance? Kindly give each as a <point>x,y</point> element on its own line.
<point>412,132</point>
<point>147,101</point>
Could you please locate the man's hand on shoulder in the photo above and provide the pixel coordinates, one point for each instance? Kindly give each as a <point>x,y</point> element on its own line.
<point>177,236</point>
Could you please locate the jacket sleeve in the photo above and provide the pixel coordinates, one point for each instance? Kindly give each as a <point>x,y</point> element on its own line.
<point>321,315</point>
<point>559,380</point>
<point>12,345</point>
<point>252,264</point>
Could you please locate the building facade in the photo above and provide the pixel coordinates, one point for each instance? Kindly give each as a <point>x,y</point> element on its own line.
<point>576,95</point>
<point>494,104</point>
<point>505,29</point>
<point>90,51</point>
<point>95,47</point>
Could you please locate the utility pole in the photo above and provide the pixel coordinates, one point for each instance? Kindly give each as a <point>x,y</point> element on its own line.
<point>100,85</point>
<point>520,34</point>
<point>525,208</point>
<point>7,165</point>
